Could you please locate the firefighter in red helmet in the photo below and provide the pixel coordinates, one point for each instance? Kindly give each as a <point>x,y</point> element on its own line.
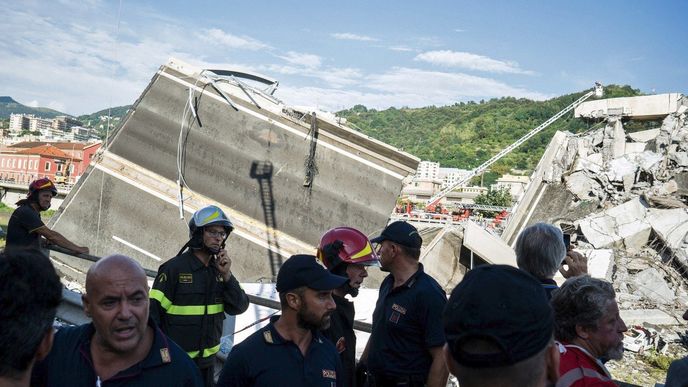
<point>26,227</point>
<point>347,252</point>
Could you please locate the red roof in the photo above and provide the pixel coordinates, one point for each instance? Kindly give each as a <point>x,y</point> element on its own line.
<point>47,151</point>
<point>60,145</point>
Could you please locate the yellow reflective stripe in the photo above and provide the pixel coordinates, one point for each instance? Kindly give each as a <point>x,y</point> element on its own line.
<point>206,352</point>
<point>160,296</point>
<point>366,250</point>
<point>216,308</point>
<point>195,310</point>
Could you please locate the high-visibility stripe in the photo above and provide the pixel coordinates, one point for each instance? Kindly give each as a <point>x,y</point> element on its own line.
<point>195,310</point>
<point>184,310</point>
<point>206,352</point>
<point>160,296</point>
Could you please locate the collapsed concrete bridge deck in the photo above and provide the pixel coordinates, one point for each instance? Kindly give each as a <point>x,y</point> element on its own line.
<point>284,175</point>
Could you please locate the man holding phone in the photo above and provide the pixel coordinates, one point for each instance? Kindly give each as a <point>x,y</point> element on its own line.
<point>542,250</point>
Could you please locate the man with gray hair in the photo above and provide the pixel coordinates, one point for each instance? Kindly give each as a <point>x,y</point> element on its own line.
<point>540,251</point>
<point>589,328</point>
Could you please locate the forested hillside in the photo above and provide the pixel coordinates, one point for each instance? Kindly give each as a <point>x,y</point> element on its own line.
<point>465,135</point>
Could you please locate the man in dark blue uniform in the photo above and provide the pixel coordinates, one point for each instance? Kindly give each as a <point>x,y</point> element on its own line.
<point>194,290</point>
<point>25,226</point>
<point>122,346</point>
<point>405,345</point>
<point>290,350</point>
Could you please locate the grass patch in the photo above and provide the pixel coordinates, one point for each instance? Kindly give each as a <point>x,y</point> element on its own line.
<point>658,360</point>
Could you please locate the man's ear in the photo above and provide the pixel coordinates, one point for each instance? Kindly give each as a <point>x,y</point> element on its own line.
<point>294,301</point>
<point>552,362</point>
<point>86,304</point>
<point>582,332</point>
<point>45,345</point>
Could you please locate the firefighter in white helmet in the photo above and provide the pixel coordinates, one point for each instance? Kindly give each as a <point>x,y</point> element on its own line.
<point>195,289</point>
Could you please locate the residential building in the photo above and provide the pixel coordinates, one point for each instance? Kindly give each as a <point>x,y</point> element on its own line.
<point>64,162</point>
<point>516,185</point>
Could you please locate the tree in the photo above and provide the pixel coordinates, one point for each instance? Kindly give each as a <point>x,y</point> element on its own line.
<point>500,197</point>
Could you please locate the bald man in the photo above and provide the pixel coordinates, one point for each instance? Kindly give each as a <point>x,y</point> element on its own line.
<point>121,345</point>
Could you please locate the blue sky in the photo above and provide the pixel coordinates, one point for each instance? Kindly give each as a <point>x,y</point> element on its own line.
<point>72,56</point>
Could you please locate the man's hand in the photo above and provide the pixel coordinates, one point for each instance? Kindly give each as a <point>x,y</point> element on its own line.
<point>223,265</point>
<point>577,263</point>
<point>82,250</point>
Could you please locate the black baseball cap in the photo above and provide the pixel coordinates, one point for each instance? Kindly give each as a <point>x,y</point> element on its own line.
<point>402,233</point>
<point>303,270</point>
<point>500,305</point>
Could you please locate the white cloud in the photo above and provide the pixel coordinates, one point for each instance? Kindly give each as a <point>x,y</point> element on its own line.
<point>217,36</point>
<point>400,48</point>
<point>301,59</point>
<point>470,61</point>
<point>404,87</point>
<point>33,103</point>
<point>350,36</point>
<point>442,87</point>
<point>459,30</point>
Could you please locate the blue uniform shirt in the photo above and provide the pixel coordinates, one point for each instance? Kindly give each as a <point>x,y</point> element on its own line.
<point>407,321</point>
<point>69,363</point>
<point>265,359</point>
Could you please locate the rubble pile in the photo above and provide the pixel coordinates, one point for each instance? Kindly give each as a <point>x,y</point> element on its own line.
<point>636,185</point>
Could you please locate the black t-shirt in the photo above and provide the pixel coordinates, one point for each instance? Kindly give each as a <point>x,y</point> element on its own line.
<point>22,226</point>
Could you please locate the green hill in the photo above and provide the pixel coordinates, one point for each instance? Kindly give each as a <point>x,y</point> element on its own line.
<point>465,135</point>
<point>9,106</point>
<point>94,118</point>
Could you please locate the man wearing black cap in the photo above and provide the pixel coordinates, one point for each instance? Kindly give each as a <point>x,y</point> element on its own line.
<point>405,346</point>
<point>499,329</point>
<point>290,350</point>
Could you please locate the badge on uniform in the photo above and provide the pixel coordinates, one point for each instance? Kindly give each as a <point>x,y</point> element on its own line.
<point>267,336</point>
<point>399,308</point>
<point>165,355</point>
<point>162,277</point>
<point>329,374</point>
<point>394,317</point>
<point>185,278</point>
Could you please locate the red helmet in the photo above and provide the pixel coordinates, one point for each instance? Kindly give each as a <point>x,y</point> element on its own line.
<point>41,185</point>
<point>353,247</point>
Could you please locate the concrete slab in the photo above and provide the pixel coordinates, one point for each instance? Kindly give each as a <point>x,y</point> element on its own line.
<point>651,285</point>
<point>487,246</point>
<point>644,135</point>
<point>635,147</point>
<point>600,263</point>
<point>671,225</point>
<point>620,226</point>
<point>643,107</point>
<point>650,316</point>
<point>583,186</point>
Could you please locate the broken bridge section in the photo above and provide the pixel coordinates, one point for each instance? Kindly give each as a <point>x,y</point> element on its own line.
<point>194,137</point>
<point>624,197</point>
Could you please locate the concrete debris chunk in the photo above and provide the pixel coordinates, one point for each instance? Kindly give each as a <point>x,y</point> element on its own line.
<point>649,316</point>
<point>644,135</point>
<point>620,226</point>
<point>650,284</point>
<point>583,186</point>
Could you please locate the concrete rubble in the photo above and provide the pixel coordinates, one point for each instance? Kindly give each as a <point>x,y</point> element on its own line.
<point>625,195</point>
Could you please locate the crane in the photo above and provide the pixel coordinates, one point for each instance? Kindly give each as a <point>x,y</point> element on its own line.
<point>597,91</point>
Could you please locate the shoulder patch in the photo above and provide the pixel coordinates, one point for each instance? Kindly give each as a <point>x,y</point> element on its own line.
<point>162,277</point>
<point>185,278</point>
<point>165,355</point>
<point>267,336</point>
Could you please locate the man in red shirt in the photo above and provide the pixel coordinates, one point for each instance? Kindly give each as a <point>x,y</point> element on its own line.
<point>589,328</point>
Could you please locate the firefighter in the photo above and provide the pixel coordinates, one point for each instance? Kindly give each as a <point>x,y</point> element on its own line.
<point>26,227</point>
<point>195,289</point>
<point>347,252</point>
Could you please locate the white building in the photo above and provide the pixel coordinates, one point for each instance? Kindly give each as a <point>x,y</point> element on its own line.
<point>19,122</point>
<point>515,184</point>
<point>428,170</point>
